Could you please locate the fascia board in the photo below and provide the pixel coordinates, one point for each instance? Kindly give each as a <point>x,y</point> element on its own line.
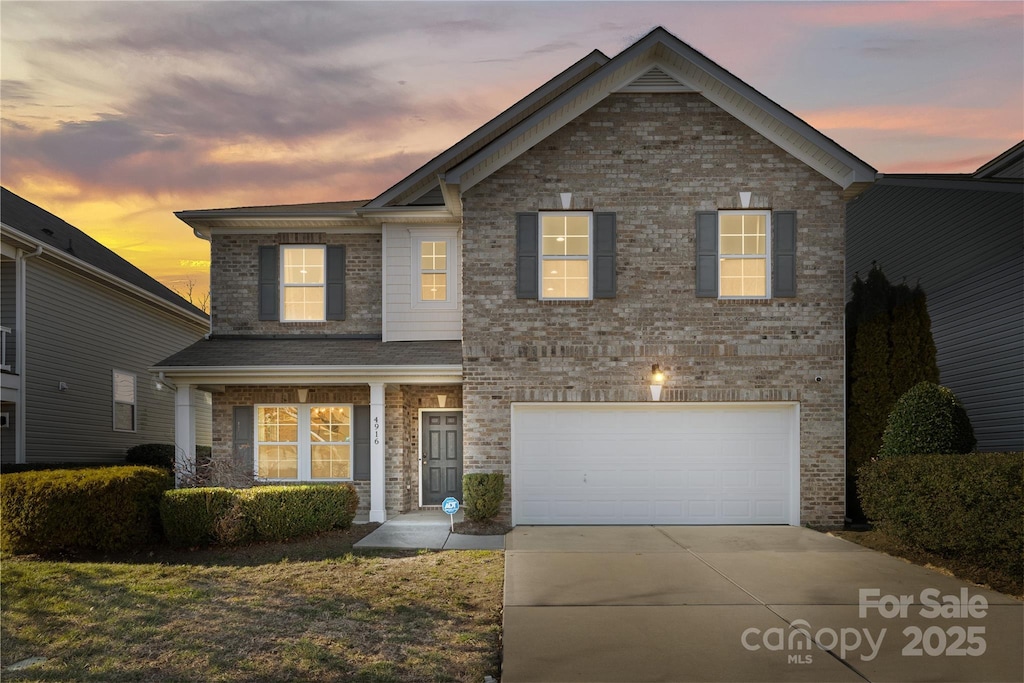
<point>313,374</point>
<point>855,170</point>
<point>432,167</point>
<point>76,264</point>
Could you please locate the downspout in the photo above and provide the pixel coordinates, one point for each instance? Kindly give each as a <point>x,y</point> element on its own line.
<point>19,356</point>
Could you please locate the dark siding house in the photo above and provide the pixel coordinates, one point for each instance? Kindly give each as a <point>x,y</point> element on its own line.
<point>961,237</point>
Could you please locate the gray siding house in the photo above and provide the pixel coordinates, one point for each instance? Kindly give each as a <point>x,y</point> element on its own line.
<point>961,237</point>
<point>81,327</point>
<point>625,293</point>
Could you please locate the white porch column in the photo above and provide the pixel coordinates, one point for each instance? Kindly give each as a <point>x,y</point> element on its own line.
<point>184,434</point>
<point>378,509</point>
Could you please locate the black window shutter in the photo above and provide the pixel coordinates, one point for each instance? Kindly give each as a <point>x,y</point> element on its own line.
<point>527,255</point>
<point>784,253</point>
<point>707,253</point>
<point>361,443</point>
<point>604,256</point>
<point>242,438</point>
<point>268,287</point>
<point>336,282</point>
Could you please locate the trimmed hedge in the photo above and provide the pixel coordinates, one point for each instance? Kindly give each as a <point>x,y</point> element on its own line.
<point>108,508</point>
<point>153,454</point>
<point>961,506</point>
<point>927,419</point>
<point>483,493</point>
<point>203,516</point>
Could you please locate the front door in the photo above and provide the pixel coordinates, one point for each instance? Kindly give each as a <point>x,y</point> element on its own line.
<point>441,444</point>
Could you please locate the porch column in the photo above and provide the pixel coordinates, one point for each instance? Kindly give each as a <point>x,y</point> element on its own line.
<point>378,509</point>
<point>184,434</point>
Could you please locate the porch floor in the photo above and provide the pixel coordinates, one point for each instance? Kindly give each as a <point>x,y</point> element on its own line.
<point>425,529</point>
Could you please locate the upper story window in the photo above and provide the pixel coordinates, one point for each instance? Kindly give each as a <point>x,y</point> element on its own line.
<point>744,254</point>
<point>124,401</point>
<point>303,283</point>
<point>434,270</point>
<point>565,255</point>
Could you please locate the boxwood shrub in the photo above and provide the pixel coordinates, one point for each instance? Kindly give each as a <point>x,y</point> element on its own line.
<point>927,419</point>
<point>961,506</point>
<point>262,513</point>
<point>483,493</point>
<point>89,509</point>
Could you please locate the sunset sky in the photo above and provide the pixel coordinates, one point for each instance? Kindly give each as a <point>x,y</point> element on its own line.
<point>117,114</point>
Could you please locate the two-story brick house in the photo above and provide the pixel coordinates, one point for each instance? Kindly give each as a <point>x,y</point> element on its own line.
<point>625,292</point>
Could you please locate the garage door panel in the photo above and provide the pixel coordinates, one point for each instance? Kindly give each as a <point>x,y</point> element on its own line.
<point>671,464</point>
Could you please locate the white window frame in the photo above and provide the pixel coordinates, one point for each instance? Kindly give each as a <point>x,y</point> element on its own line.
<point>305,465</point>
<point>417,238</point>
<point>767,251</point>
<point>541,258</point>
<point>285,286</point>
<point>114,402</point>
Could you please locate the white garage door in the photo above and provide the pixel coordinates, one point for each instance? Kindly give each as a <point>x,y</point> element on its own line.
<point>615,463</point>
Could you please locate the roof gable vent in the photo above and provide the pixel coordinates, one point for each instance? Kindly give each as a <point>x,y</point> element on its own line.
<point>655,80</point>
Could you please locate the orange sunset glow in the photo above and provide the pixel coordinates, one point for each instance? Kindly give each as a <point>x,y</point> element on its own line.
<point>115,115</point>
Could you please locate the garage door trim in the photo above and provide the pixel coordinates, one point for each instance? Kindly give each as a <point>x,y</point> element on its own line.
<point>793,511</point>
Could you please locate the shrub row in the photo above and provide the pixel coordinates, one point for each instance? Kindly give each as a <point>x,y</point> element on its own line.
<point>203,516</point>
<point>108,508</point>
<point>483,493</point>
<point>160,454</point>
<point>958,506</point>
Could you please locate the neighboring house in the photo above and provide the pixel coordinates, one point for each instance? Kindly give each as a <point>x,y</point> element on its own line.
<point>81,327</point>
<point>646,219</point>
<point>961,238</point>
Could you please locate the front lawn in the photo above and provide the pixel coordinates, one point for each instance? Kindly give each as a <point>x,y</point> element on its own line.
<point>309,610</point>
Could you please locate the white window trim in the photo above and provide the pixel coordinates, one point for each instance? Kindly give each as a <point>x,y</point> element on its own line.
<point>113,400</point>
<point>284,286</point>
<point>417,238</point>
<point>767,252</point>
<point>541,258</point>
<point>305,465</point>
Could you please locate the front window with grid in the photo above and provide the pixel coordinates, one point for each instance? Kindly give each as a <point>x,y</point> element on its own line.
<point>304,442</point>
<point>743,239</point>
<point>565,248</point>
<point>303,296</point>
<point>434,270</point>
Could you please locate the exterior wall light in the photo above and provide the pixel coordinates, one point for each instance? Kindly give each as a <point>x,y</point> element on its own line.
<point>657,380</point>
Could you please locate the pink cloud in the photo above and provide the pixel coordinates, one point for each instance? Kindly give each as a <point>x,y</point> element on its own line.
<point>921,120</point>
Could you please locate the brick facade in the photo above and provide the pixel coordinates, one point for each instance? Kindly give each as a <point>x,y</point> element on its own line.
<point>655,160</point>
<point>234,278</point>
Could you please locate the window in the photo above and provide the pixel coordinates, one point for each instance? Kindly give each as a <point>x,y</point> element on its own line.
<point>565,249</point>
<point>124,401</point>
<point>303,282</point>
<point>743,249</point>
<point>304,442</point>
<point>434,270</point>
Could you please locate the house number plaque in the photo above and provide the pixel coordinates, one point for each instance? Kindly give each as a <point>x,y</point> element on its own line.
<point>376,430</point>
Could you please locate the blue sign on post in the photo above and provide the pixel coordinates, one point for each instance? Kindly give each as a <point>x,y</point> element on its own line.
<point>450,506</point>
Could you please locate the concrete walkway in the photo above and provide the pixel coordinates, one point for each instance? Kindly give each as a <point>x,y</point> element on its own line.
<point>741,604</point>
<point>426,529</point>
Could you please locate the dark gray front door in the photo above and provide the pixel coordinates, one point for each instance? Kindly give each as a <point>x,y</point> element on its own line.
<point>442,457</point>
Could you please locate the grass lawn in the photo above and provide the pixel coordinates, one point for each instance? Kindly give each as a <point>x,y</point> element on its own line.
<point>309,610</point>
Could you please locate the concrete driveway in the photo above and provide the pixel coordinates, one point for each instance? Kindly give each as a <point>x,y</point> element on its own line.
<point>742,604</point>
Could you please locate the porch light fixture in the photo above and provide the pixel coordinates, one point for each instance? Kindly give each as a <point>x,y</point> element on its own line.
<point>566,200</point>
<point>303,394</point>
<point>745,200</point>
<point>657,380</point>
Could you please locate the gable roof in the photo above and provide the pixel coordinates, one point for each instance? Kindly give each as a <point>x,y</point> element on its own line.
<point>1009,164</point>
<point>60,237</point>
<point>660,57</point>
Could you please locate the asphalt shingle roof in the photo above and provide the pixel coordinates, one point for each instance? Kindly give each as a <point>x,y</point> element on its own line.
<point>243,352</point>
<point>42,226</point>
